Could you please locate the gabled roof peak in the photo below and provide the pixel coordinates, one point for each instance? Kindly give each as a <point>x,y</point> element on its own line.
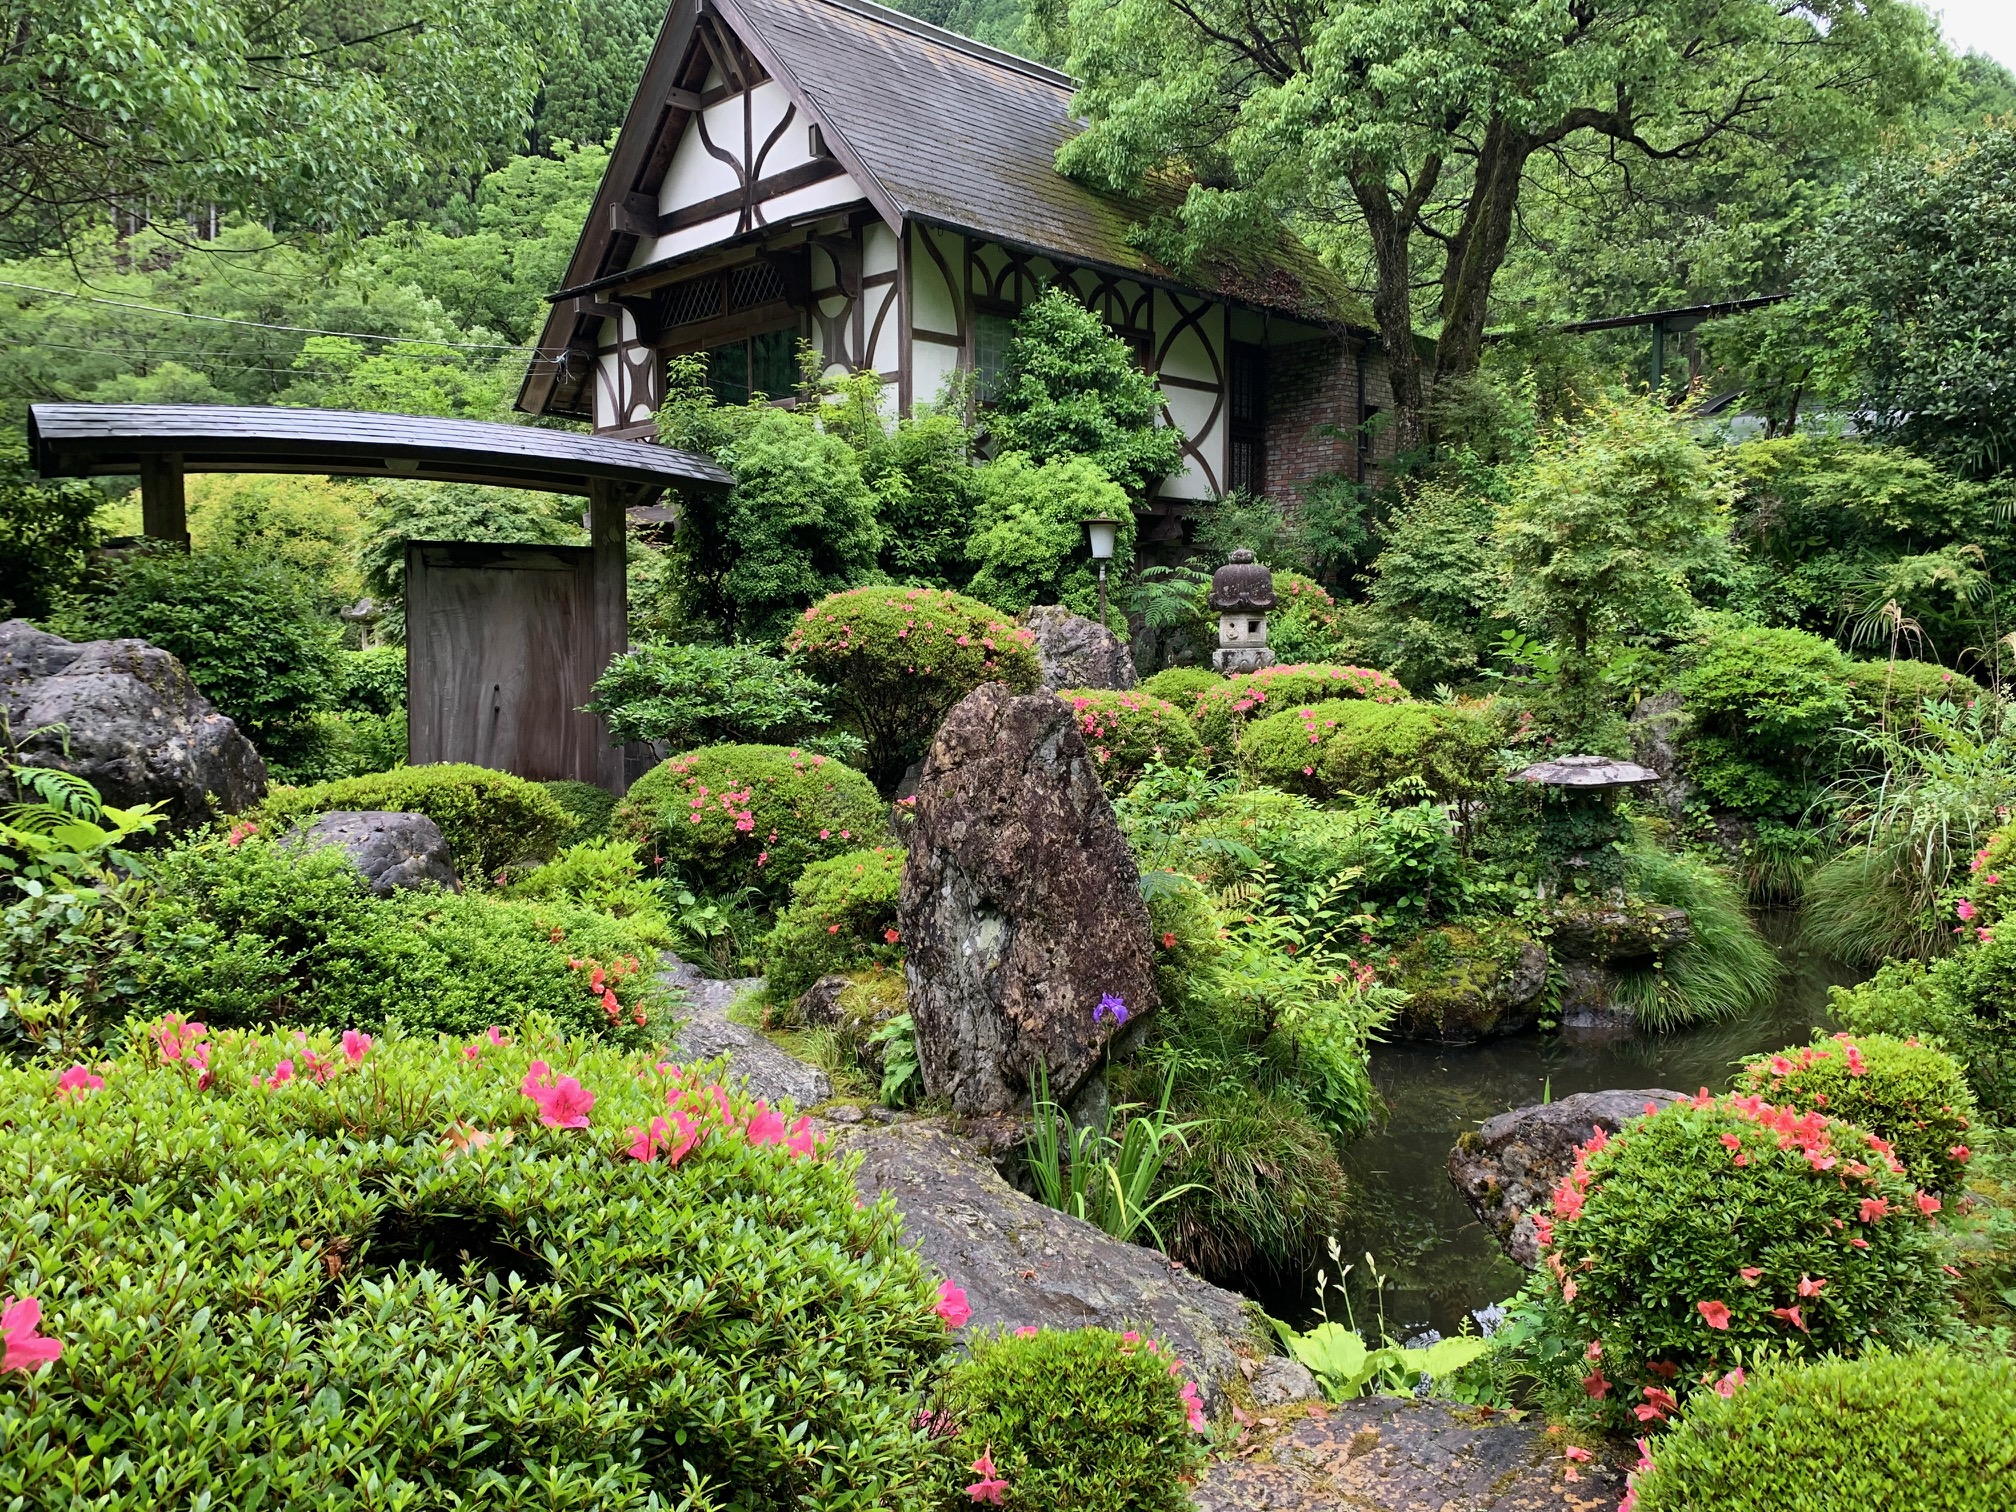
<point>902,21</point>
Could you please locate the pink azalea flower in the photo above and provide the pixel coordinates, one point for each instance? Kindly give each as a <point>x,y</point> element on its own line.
<point>1791,1315</point>
<point>470,1052</point>
<point>952,1306</point>
<point>178,1038</point>
<point>1596,1385</point>
<point>644,1143</point>
<point>689,1133</point>
<point>1808,1287</point>
<point>495,1034</point>
<point>1750,1273</point>
<point>1874,1208</point>
<point>800,1142</point>
<point>1025,1332</point>
<point>1964,909</point>
<point>989,1488</point>
<point>1193,1407</point>
<point>77,1081</point>
<point>25,1348</point>
<point>563,1105</point>
<point>1928,1204</point>
<point>535,1077</point>
<point>1728,1384</point>
<point>1714,1314</point>
<point>766,1126</point>
<point>355,1046</point>
<point>284,1072</point>
<point>1959,1153</point>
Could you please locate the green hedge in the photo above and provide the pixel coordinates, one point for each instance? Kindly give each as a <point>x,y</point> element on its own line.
<point>390,1281</point>
<point>1965,1004</point>
<point>1221,712</point>
<point>733,816</point>
<point>1899,688</point>
<point>841,917</point>
<point>1181,685</point>
<point>1929,1431</point>
<point>589,806</point>
<point>490,820</point>
<point>1126,731</point>
<point>1325,750</point>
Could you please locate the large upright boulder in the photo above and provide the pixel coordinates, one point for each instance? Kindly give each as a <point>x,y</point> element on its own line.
<point>1076,652</point>
<point>124,716</point>
<point>1021,907</point>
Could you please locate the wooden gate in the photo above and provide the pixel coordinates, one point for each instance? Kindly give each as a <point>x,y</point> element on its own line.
<point>502,649</point>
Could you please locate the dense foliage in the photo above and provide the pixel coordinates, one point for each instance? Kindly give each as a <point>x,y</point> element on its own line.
<point>490,819</point>
<point>689,696</point>
<point>1127,731</point>
<point>1341,746</point>
<point>841,917</point>
<point>1222,707</point>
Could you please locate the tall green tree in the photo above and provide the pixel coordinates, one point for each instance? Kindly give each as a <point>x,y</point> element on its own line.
<point>585,98</point>
<point>1404,129</point>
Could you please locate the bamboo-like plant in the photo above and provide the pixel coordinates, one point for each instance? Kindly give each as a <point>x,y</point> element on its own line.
<point>1086,1172</point>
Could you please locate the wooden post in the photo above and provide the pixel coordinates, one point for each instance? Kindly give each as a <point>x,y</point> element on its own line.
<point>164,514</point>
<point>608,540</point>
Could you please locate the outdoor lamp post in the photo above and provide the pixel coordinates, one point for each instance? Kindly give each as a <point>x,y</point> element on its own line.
<point>1102,531</point>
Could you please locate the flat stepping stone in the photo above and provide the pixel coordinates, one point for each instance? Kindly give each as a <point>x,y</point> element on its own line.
<point>708,1032</point>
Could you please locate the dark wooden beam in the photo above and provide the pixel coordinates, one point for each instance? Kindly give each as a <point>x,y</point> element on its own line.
<point>634,215</point>
<point>817,171</point>
<point>607,542</point>
<point>164,512</point>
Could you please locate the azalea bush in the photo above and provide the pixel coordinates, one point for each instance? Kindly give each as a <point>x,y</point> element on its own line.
<point>1719,1232</point>
<point>1924,1431</point>
<point>478,1274</point>
<point>587,805</point>
<point>841,917</point>
<point>1126,731</point>
<point>897,659</point>
<point>1337,747</point>
<point>1965,1003</point>
<point>1220,713</point>
<point>1304,624</point>
<point>1181,685</point>
<point>262,932</point>
<point>489,819</point>
<point>1081,1418</point>
<point>733,816</point>
<point>1908,1094</point>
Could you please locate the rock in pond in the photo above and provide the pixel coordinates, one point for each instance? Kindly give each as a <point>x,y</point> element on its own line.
<point>1076,652</point>
<point>1020,908</point>
<point>1463,987</point>
<point>1511,1166</point>
<point>124,716</point>
<point>391,850</point>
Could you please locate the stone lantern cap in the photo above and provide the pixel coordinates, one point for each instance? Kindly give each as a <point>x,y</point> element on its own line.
<point>1588,773</point>
<point>1242,585</point>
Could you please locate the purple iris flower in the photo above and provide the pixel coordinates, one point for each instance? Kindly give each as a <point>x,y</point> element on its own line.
<point>1109,1004</point>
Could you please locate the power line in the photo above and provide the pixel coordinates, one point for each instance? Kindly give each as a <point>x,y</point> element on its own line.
<point>265,325</point>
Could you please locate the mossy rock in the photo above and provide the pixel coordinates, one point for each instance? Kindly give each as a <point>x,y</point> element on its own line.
<point>1466,983</point>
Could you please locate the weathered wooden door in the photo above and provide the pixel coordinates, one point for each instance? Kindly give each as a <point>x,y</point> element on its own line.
<point>502,650</point>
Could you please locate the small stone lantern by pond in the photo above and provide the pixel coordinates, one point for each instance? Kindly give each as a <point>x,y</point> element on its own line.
<point>1579,823</point>
<point>1242,591</point>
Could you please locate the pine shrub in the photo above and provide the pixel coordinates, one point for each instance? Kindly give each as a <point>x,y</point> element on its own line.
<point>490,820</point>
<point>1081,1418</point>
<point>1336,747</point>
<point>1926,1431</point>
<point>1220,713</point>
<point>733,816</point>
<point>841,917</point>
<point>1912,1096</point>
<point>1125,731</point>
<point>1719,1232</point>
<point>290,1271</point>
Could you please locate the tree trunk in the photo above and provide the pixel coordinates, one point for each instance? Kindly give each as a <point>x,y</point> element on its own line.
<point>1390,227</point>
<point>1478,249</point>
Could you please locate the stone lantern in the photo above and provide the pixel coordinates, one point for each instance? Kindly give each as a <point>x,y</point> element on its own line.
<point>1242,591</point>
<point>1580,825</point>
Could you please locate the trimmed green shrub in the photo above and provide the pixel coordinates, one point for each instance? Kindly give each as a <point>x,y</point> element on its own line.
<point>734,816</point>
<point>1328,749</point>
<point>1126,731</point>
<point>603,874</point>
<point>1304,625</point>
<point>372,681</point>
<point>1928,1431</point>
<point>841,917</point>
<point>897,659</point>
<point>1081,1418</point>
<point>260,932</point>
<point>490,820</point>
<point>692,696</point>
<point>1908,1094</point>
<point>1181,685</point>
<point>1764,707</point>
<point>588,805</point>
<point>1719,1232</point>
<point>1220,713</point>
<point>400,1279</point>
<point>1964,1004</point>
<point>1896,690</point>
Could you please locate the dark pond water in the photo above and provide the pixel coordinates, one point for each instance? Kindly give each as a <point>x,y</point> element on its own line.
<point>1439,1261</point>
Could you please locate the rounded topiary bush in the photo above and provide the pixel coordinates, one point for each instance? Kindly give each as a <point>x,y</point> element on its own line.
<point>1911,1096</point>
<point>489,819</point>
<point>1126,731</point>
<point>842,916</point>
<point>587,805</point>
<point>897,659</point>
<point>1927,1431</point>
<point>1181,685</point>
<point>1304,625</point>
<point>1080,1418</point>
<point>1896,690</point>
<point>1336,747</point>
<point>732,816</point>
<point>1221,712</point>
<point>413,1273</point>
<point>1721,1231</point>
<point>1966,1003</point>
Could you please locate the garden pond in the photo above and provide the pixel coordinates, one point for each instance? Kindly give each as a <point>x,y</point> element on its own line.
<point>1439,1263</point>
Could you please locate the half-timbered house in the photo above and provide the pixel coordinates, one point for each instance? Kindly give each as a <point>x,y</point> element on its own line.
<point>834,172</point>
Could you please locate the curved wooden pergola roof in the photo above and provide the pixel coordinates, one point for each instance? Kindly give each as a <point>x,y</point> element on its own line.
<point>90,440</point>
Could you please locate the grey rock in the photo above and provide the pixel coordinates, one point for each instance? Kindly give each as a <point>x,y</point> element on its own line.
<point>819,1004</point>
<point>1020,907</point>
<point>1278,1380</point>
<point>1471,993</point>
<point>1656,725</point>
<point>1076,652</point>
<point>1608,932</point>
<point>124,716</point>
<point>1023,1265</point>
<point>1509,1168</point>
<point>391,850</point>
<point>708,1032</point>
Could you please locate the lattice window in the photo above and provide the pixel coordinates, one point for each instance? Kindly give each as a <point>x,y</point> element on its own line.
<point>756,284</point>
<point>698,300</point>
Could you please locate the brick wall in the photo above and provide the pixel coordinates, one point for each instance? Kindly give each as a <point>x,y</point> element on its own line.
<point>1311,384</point>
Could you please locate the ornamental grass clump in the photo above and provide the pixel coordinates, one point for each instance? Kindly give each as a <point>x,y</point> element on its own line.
<point>1333,748</point>
<point>1926,1431</point>
<point>490,820</point>
<point>897,660</point>
<point>1126,731</point>
<point>728,817</point>
<point>1909,1094</point>
<point>332,1271</point>
<point>1720,1232</point>
<point>1220,713</point>
<point>841,917</point>
<point>1081,1418</point>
